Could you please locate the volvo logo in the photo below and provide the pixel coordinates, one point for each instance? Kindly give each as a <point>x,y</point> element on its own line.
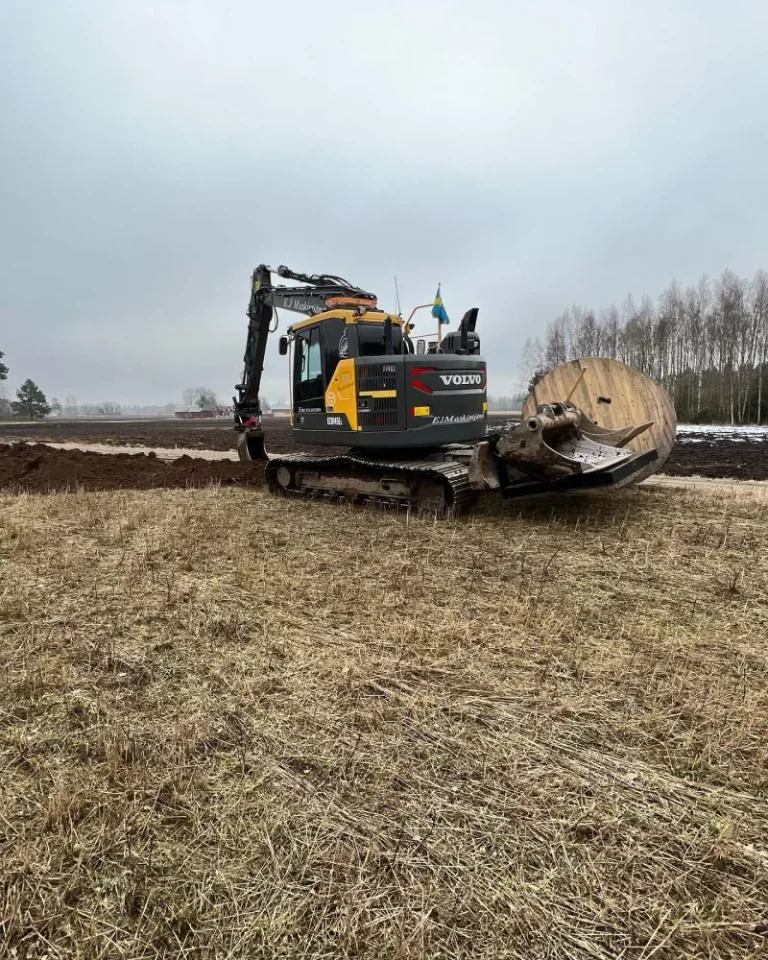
<point>462,379</point>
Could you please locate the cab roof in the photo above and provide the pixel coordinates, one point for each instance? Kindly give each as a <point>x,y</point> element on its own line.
<point>348,315</point>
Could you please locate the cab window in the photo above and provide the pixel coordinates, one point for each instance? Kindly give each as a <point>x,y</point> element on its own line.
<point>314,357</point>
<point>308,356</point>
<point>371,339</point>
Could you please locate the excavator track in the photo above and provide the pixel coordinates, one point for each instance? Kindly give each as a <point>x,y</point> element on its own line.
<point>428,486</point>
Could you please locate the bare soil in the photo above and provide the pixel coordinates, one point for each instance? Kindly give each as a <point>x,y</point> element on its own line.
<point>746,460</point>
<point>188,434</point>
<point>738,460</point>
<point>37,468</point>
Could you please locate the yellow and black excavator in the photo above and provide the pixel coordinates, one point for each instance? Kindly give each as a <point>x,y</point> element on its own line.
<point>412,417</point>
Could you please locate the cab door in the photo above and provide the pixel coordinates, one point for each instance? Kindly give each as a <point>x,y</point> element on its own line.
<point>308,388</point>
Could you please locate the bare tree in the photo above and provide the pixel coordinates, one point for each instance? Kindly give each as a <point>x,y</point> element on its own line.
<point>199,398</point>
<point>6,411</point>
<point>532,364</point>
<point>108,408</point>
<point>556,345</point>
<point>760,308</point>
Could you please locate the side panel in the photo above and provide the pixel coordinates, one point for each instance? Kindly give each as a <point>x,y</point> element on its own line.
<point>341,395</point>
<point>401,402</point>
<point>446,394</point>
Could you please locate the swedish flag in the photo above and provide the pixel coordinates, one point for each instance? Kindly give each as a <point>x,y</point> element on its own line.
<point>438,310</point>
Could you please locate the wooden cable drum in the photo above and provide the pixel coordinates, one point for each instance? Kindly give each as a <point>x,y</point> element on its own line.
<point>613,395</point>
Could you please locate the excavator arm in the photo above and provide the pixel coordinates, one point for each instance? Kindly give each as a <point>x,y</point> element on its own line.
<point>315,294</point>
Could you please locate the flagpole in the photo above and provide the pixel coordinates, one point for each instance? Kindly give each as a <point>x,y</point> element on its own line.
<point>440,320</point>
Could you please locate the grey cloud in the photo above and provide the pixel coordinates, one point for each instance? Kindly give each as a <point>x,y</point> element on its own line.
<point>527,156</point>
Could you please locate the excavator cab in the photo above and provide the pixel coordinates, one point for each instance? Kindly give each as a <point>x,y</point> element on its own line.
<point>354,375</point>
<point>319,345</point>
<point>357,381</point>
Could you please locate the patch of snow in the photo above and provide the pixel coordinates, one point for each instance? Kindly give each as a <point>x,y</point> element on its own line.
<point>702,432</point>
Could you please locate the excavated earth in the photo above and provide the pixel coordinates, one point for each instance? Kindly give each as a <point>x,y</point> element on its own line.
<point>38,468</point>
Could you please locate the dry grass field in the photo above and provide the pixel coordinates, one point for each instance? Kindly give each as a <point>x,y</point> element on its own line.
<point>237,726</point>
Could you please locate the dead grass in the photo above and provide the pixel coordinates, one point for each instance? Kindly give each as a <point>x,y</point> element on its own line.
<point>235,726</point>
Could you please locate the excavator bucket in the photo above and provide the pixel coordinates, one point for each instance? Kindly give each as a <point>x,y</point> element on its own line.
<point>619,405</point>
<point>560,449</point>
<point>615,426</point>
<point>251,446</point>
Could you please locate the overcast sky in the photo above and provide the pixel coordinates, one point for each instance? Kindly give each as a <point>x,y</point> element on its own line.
<point>529,155</point>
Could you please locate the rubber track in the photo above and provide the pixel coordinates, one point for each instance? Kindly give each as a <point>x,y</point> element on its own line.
<point>455,475</point>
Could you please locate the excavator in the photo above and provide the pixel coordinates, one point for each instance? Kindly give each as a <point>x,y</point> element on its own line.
<point>411,418</point>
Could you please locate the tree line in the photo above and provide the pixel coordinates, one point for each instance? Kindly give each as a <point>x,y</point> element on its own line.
<point>506,403</point>
<point>72,407</point>
<point>32,404</point>
<point>707,344</point>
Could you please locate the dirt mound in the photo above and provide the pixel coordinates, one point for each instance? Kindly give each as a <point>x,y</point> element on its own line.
<point>40,469</point>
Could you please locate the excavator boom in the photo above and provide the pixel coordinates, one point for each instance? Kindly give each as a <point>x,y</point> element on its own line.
<point>319,293</point>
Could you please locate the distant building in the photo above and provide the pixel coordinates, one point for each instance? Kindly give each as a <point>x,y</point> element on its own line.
<point>196,414</point>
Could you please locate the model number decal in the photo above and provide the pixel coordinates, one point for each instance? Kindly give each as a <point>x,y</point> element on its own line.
<point>462,379</point>
<point>334,422</point>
